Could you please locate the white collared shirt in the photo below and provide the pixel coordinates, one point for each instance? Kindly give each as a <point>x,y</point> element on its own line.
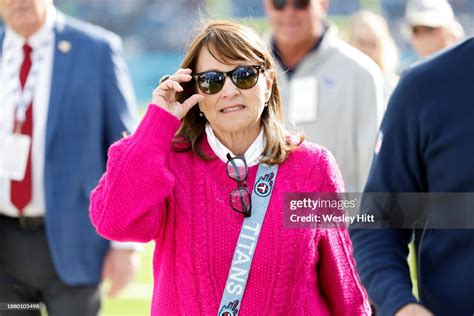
<point>41,97</point>
<point>252,155</point>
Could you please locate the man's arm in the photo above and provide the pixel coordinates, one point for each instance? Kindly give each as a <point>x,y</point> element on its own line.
<point>119,96</point>
<point>381,254</point>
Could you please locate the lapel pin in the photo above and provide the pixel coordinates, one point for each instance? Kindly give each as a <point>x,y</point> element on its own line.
<point>64,46</point>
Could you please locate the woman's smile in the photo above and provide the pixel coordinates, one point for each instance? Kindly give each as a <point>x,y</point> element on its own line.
<point>233,108</point>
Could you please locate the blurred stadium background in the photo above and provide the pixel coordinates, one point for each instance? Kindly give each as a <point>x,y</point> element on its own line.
<point>155,32</point>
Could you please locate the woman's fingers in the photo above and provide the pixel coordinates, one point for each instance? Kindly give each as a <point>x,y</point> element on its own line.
<point>173,82</point>
<point>180,77</point>
<point>165,94</point>
<point>183,71</point>
<point>181,109</point>
<point>169,84</point>
<point>190,102</point>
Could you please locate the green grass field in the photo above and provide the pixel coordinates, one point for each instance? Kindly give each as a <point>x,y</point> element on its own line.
<point>136,298</point>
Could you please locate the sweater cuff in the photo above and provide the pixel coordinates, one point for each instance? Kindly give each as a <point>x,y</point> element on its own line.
<point>158,127</point>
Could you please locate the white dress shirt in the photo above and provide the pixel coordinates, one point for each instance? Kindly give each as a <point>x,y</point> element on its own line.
<point>252,155</point>
<point>41,95</point>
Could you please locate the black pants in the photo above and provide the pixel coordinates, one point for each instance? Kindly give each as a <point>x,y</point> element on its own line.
<point>27,275</point>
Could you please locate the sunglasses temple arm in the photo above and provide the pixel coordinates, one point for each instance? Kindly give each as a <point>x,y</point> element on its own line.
<point>242,200</point>
<point>231,160</point>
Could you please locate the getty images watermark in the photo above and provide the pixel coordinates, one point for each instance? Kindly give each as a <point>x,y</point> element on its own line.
<point>326,211</point>
<point>380,210</point>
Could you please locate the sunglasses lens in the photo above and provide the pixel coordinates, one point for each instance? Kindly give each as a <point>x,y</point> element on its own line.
<point>237,169</point>
<point>240,200</point>
<point>279,4</point>
<point>301,4</point>
<point>210,82</point>
<point>297,4</point>
<point>418,30</point>
<point>245,77</point>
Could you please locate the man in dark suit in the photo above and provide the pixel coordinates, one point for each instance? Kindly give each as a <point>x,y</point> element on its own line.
<point>65,96</point>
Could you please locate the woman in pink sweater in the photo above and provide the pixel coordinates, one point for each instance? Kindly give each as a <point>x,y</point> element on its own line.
<point>192,178</point>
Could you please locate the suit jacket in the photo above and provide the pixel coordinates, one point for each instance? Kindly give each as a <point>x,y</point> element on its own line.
<point>91,104</point>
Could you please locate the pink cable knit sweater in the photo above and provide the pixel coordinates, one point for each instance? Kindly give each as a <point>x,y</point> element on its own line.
<point>182,203</point>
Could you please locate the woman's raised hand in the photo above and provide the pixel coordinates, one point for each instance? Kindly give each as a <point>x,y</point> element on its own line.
<point>165,94</point>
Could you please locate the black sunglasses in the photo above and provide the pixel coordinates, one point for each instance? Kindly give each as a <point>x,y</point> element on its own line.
<point>421,29</point>
<point>240,199</point>
<point>297,4</point>
<point>244,77</point>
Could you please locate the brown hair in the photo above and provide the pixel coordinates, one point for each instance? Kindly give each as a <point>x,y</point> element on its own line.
<point>227,41</point>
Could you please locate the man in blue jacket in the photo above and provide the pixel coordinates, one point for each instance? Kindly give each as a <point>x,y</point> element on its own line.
<point>65,96</point>
<point>426,144</point>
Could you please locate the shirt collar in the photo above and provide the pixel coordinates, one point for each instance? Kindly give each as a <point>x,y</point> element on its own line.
<point>43,33</point>
<point>252,155</point>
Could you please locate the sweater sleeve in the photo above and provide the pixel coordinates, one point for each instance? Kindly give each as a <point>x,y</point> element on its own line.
<point>381,254</point>
<point>337,272</point>
<point>133,196</point>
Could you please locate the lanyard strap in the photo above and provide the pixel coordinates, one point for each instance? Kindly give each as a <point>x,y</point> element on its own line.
<point>248,238</point>
<point>12,62</point>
